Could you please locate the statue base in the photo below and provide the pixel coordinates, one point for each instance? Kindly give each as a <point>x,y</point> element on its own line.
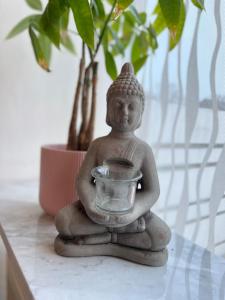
<point>146,257</point>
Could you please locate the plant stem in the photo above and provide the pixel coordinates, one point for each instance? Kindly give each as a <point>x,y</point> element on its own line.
<point>84,109</point>
<point>72,138</point>
<point>87,127</point>
<point>90,129</point>
<point>103,31</point>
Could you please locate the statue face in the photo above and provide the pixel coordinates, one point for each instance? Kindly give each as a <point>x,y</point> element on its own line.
<point>124,112</point>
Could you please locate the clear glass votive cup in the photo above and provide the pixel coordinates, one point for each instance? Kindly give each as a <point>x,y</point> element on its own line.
<point>115,191</point>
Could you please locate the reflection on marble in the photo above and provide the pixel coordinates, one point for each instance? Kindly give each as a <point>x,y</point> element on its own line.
<point>222,287</point>
<point>191,273</point>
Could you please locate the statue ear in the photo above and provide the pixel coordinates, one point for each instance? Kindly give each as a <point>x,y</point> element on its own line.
<point>141,115</point>
<point>139,121</point>
<point>108,115</point>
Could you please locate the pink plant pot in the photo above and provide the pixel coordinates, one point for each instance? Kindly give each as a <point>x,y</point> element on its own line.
<point>58,172</point>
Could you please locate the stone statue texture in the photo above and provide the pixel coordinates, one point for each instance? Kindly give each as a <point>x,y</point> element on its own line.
<point>138,235</point>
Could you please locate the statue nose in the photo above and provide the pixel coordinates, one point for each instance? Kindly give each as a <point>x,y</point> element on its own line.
<point>125,110</point>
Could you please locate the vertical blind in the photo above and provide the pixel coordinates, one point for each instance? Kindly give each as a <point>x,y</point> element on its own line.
<point>184,121</point>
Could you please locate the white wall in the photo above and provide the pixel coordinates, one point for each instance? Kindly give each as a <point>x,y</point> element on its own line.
<point>34,106</point>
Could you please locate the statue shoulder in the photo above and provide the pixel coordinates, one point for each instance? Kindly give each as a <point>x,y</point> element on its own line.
<point>96,143</point>
<point>147,149</point>
<point>143,145</point>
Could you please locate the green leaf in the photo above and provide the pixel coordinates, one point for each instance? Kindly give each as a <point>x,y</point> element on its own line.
<point>127,32</point>
<point>65,19</point>
<point>143,17</point>
<point>130,18</point>
<point>171,12</point>
<point>65,39</point>
<point>35,4</point>
<point>38,51</point>
<point>105,39</point>
<point>83,20</point>
<point>138,64</point>
<point>67,42</point>
<point>115,50</point>
<point>156,10</point>
<point>152,38</point>
<point>116,25</point>
<point>159,24</point>
<point>174,40</point>
<point>46,46</point>
<point>50,20</point>
<point>198,3</point>
<point>123,4</point>
<point>133,17</point>
<point>23,25</point>
<point>110,65</point>
<point>100,9</point>
<point>118,46</point>
<point>140,47</point>
<point>136,15</point>
<point>98,12</point>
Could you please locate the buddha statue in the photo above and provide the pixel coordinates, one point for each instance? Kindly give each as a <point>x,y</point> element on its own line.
<point>137,235</point>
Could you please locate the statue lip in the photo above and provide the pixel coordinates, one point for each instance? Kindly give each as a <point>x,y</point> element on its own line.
<point>124,120</point>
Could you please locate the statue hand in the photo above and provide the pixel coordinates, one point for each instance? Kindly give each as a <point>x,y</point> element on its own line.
<point>96,215</point>
<point>100,217</point>
<point>134,227</point>
<point>103,218</point>
<point>122,220</point>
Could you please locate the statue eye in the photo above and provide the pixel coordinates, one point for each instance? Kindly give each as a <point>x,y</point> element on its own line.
<point>118,104</point>
<point>131,107</point>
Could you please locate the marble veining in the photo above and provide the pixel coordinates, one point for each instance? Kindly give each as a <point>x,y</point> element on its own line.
<point>191,272</point>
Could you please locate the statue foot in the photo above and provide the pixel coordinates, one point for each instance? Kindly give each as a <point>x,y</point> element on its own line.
<point>146,257</point>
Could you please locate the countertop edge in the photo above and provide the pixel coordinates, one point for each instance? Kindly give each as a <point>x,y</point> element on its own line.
<point>16,279</point>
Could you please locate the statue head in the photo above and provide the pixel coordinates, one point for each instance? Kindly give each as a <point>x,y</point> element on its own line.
<point>125,101</point>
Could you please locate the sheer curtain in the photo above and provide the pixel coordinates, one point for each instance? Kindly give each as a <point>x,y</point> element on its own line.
<point>184,121</point>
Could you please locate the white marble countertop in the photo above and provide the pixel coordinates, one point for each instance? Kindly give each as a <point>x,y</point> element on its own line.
<point>191,273</point>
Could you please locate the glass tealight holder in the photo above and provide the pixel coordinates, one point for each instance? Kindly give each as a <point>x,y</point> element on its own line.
<point>116,183</point>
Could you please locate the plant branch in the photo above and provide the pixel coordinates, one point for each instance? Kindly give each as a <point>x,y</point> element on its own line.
<point>72,138</point>
<point>90,129</point>
<point>103,32</point>
<point>104,27</point>
<point>84,109</point>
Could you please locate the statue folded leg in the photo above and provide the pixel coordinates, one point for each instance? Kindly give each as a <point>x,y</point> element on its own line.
<point>79,236</point>
<point>72,222</point>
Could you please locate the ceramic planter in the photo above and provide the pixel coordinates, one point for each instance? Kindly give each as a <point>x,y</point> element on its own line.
<point>58,172</point>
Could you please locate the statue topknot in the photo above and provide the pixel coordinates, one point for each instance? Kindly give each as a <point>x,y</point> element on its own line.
<point>127,68</point>
<point>126,84</point>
